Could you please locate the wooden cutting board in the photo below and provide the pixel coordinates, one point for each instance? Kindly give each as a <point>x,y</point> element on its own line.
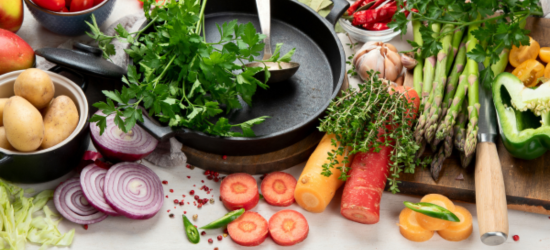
<point>526,182</point>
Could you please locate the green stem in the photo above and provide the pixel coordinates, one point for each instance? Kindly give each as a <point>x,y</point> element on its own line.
<point>145,28</point>
<point>201,17</point>
<point>440,81</point>
<point>418,69</point>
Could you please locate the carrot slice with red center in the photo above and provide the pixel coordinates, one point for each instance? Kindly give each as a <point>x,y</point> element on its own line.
<point>239,191</point>
<point>278,189</point>
<point>458,231</point>
<point>410,229</point>
<point>431,223</point>
<point>250,229</point>
<point>288,227</point>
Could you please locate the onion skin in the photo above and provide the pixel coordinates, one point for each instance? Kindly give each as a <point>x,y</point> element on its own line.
<point>120,150</point>
<point>119,195</point>
<point>72,187</point>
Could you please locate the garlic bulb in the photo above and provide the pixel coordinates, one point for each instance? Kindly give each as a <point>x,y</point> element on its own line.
<point>380,57</point>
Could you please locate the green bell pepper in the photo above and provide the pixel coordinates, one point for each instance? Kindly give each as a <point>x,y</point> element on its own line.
<point>523,116</point>
<point>432,210</point>
<point>226,219</point>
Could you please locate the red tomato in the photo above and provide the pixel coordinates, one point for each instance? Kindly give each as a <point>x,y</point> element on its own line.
<point>80,5</point>
<point>96,2</point>
<point>53,5</point>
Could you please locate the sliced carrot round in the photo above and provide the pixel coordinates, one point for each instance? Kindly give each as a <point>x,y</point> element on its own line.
<point>278,189</point>
<point>431,223</point>
<point>458,231</point>
<point>410,229</point>
<point>288,227</point>
<point>250,229</point>
<point>239,191</point>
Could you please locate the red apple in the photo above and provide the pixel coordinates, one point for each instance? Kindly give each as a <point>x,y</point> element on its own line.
<point>11,14</point>
<point>15,53</point>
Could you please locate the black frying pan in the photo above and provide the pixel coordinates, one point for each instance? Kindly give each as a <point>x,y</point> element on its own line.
<point>295,105</point>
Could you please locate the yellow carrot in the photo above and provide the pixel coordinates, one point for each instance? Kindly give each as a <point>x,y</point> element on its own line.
<point>315,191</point>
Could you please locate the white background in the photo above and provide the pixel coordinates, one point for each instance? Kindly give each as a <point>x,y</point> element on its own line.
<point>328,230</point>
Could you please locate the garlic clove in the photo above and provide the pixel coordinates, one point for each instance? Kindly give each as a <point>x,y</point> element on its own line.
<point>396,60</point>
<point>408,61</point>
<point>392,71</point>
<point>400,80</point>
<point>391,47</point>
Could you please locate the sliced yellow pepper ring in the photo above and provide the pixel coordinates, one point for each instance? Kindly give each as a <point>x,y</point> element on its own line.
<point>544,54</point>
<point>529,72</point>
<point>524,53</point>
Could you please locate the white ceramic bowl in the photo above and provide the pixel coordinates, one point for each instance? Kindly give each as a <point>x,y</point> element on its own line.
<point>364,35</point>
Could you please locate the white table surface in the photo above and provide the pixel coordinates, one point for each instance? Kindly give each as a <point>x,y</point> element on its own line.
<point>328,230</point>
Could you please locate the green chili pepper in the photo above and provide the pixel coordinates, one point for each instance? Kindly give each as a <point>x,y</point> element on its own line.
<point>191,231</point>
<point>226,219</point>
<point>432,210</point>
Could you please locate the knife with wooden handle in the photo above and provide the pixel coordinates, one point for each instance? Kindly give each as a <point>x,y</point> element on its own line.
<point>492,212</point>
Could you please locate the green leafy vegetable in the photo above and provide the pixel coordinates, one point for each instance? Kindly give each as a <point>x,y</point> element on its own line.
<point>180,78</point>
<point>356,119</point>
<point>499,30</point>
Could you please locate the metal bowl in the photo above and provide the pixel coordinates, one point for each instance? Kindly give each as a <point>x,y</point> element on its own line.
<point>70,23</point>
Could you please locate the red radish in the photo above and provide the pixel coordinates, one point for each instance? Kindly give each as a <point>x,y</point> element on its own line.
<point>250,229</point>
<point>239,191</point>
<point>288,227</point>
<point>278,189</point>
<point>118,146</point>
<point>368,176</point>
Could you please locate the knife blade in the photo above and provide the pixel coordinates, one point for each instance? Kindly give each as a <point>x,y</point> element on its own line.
<point>487,123</point>
<point>492,210</point>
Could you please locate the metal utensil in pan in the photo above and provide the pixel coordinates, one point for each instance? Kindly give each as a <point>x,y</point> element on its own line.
<point>294,105</point>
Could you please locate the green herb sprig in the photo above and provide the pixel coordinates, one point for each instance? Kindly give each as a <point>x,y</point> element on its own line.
<point>366,118</point>
<point>499,31</point>
<point>179,77</point>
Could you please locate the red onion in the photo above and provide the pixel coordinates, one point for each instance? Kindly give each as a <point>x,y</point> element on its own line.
<point>92,180</point>
<point>133,190</point>
<point>71,203</point>
<point>118,146</point>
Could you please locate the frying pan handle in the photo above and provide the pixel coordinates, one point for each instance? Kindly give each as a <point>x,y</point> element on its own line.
<point>84,79</point>
<point>161,133</point>
<point>337,10</point>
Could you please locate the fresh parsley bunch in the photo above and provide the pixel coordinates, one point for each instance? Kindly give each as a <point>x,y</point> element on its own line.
<point>499,30</point>
<point>180,78</point>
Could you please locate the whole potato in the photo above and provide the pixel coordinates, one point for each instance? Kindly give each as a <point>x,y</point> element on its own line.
<point>4,143</point>
<point>2,104</point>
<point>60,120</point>
<point>36,86</point>
<point>23,124</point>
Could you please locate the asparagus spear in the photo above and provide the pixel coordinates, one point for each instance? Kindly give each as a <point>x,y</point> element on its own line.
<point>458,67</point>
<point>445,127</point>
<point>460,127</point>
<point>418,70</point>
<point>437,163</point>
<point>440,81</point>
<point>465,161</point>
<point>427,86</point>
<point>473,96</point>
<point>455,44</point>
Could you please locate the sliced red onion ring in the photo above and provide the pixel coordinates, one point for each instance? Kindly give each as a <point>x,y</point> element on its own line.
<point>118,146</point>
<point>73,205</point>
<point>92,180</point>
<point>133,190</point>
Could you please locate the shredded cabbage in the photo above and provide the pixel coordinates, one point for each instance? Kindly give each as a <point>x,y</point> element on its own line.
<point>17,225</point>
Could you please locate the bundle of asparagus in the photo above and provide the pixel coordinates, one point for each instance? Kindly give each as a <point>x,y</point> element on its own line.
<point>445,81</point>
